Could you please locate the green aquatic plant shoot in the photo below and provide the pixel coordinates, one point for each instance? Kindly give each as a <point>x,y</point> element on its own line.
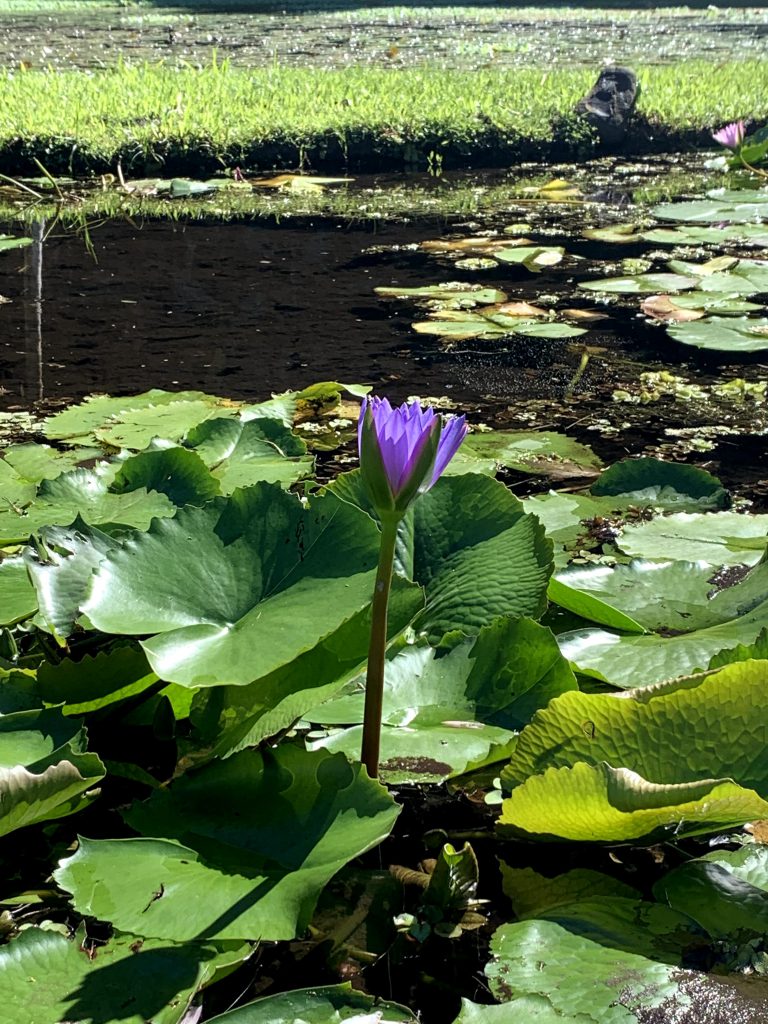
<point>403,452</point>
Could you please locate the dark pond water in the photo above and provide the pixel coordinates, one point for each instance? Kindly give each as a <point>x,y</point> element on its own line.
<point>251,307</point>
<point>458,37</point>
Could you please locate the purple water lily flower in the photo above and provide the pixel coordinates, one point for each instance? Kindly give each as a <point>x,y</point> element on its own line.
<point>731,136</point>
<point>403,451</point>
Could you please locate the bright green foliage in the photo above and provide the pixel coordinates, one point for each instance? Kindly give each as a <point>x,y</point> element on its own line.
<point>45,771</point>
<point>579,977</point>
<point>674,757</point>
<point>47,978</point>
<point>728,538</point>
<point>241,849</point>
<point>86,493</point>
<point>545,453</point>
<point>445,715</point>
<point>217,585</point>
<point>242,452</point>
<point>470,544</point>
<point>18,600</point>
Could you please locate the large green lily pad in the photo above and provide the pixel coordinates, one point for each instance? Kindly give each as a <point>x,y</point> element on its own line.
<point>84,493</point>
<point>243,452</point>
<point>242,848</point>
<point>670,598</point>
<point>61,566</point>
<point>737,206</point>
<point>236,589</point>
<point>655,479</point>
<point>228,718</point>
<point>36,462</point>
<point>725,892</point>
<point>722,538</point>
<point>469,543</point>
<point>544,453</point>
<point>641,284</point>
<point>443,716</point>
<point>704,727</point>
<point>47,978</point>
<point>598,803</point>
<point>133,421</point>
<point>579,978</point>
<point>723,333</point>
<point>95,681</point>
<point>492,323</point>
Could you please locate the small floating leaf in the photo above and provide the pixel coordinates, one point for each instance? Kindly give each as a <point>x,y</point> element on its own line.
<point>724,334</point>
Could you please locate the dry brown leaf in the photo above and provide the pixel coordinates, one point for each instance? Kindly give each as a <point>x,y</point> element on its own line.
<point>585,314</point>
<point>520,309</point>
<point>661,307</point>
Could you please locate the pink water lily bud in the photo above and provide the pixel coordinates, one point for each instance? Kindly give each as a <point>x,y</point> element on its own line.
<point>403,451</point>
<point>731,136</point>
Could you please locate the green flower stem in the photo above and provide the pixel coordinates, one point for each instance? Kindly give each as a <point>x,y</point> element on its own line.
<point>374,680</point>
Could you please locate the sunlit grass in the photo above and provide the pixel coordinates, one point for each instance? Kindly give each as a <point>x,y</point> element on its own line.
<point>223,114</point>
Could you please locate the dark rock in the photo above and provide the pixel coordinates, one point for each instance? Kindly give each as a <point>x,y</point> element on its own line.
<point>608,106</point>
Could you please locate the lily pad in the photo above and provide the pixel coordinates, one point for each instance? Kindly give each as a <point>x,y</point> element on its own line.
<point>706,727</point>
<point>734,207</point>
<point>469,543</point>
<point>534,895</point>
<point>96,680</point>
<point>492,322</point>
<point>633,478</point>
<point>45,772</point>
<point>446,715</point>
<point>18,600</point>
<point>60,566</point>
<point>47,978</point>
<point>598,803</point>
<point>720,538</point>
<point>671,598</point>
<point>36,462</point>
<point>641,284</point>
<point>450,295</point>
<point>723,334</point>
<point>329,1004</point>
<point>618,233</point>
<point>580,979</point>
<point>543,453</point>
<point>85,493</point>
<point>132,422</point>
<point>180,474</point>
<point>227,719</point>
<point>724,892</point>
<point>241,848</point>
<point>239,453</point>
<point>216,585</point>
<point>690,234</point>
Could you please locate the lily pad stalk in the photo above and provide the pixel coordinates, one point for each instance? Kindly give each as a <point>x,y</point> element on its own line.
<point>403,451</point>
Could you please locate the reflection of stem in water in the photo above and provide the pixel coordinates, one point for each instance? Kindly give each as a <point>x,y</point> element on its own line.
<point>583,362</point>
<point>34,306</point>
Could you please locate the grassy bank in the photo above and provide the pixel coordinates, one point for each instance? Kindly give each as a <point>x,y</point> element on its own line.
<point>156,119</point>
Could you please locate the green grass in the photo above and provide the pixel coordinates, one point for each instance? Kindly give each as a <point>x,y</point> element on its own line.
<point>193,121</point>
